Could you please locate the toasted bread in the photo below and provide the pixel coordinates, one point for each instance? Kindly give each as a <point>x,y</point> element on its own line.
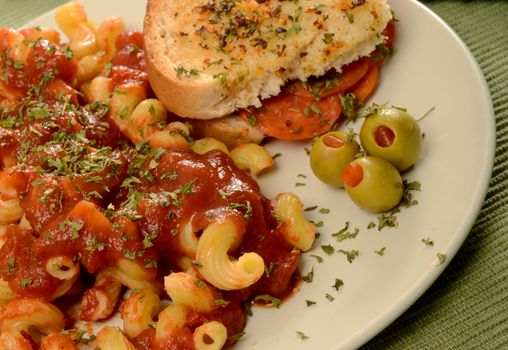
<point>208,58</point>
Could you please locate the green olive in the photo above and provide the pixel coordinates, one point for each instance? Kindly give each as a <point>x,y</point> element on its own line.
<point>330,155</point>
<point>373,183</point>
<point>394,135</point>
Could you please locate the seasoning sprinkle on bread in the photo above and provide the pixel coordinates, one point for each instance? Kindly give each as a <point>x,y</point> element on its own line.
<point>208,58</point>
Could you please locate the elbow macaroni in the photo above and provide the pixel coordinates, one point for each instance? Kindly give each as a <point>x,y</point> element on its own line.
<point>6,293</point>
<point>11,339</point>
<point>62,268</point>
<point>252,157</point>
<point>99,301</point>
<point>218,268</point>
<point>187,238</point>
<point>189,291</point>
<point>295,228</point>
<point>210,336</point>
<point>73,21</point>
<point>57,341</point>
<point>26,314</point>
<point>111,338</point>
<point>138,311</point>
<point>10,209</point>
<point>207,144</point>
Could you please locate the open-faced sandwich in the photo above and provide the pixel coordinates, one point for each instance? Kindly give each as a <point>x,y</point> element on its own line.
<point>255,68</point>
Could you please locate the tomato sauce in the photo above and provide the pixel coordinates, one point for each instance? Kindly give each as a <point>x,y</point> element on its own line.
<point>91,196</point>
<point>45,62</point>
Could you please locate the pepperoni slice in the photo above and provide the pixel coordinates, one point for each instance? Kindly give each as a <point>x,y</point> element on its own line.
<point>291,117</point>
<point>364,88</point>
<point>332,84</point>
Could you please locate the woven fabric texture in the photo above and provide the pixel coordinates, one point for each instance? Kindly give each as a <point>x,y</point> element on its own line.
<point>467,307</point>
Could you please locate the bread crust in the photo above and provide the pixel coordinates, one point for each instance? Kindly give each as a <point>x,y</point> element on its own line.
<point>198,69</point>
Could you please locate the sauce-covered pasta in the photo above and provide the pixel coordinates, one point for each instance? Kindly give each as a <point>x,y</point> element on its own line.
<point>101,192</point>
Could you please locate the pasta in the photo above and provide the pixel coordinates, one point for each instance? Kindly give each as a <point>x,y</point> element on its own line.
<point>62,267</point>
<point>139,310</point>
<point>105,198</point>
<point>99,301</point>
<point>28,314</point>
<point>218,268</point>
<point>57,341</point>
<point>6,294</point>
<point>206,144</point>
<point>210,336</point>
<point>10,209</point>
<point>252,157</point>
<point>189,291</point>
<point>72,20</point>
<point>11,339</point>
<point>110,338</point>
<point>296,230</point>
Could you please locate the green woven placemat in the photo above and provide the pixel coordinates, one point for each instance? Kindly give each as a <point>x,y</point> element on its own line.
<point>467,307</point>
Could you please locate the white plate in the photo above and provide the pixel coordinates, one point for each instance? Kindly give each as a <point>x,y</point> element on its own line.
<point>432,68</point>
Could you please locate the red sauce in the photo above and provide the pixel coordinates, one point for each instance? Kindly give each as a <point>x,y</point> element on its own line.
<point>45,62</point>
<point>91,196</point>
<point>130,50</point>
<point>144,340</point>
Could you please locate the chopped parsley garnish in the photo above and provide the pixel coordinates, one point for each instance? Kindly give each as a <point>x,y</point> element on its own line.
<point>350,255</point>
<point>25,282</point>
<point>317,257</point>
<point>246,206</point>
<point>73,226</point>
<point>388,220</point>
<point>188,73</point>
<point>349,106</point>
<point>428,241</point>
<point>302,336</point>
<point>223,79</point>
<point>310,302</point>
<point>441,258</point>
<point>337,284</point>
<point>328,38</point>
<point>200,283</point>
<point>268,299</point>
<point>237,336</point>
<point>381,251</point>
<point>309,276</point>
<point>220,302</point>
<point>294,29</point>
<point>187,189</point>
<point>9,269</point>
<point>407,195</point>
<point>328,249</point>
<point>107,68</point>
<point>345,234</point>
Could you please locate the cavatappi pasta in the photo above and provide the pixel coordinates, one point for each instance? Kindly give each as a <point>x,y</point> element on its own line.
<point>107,202</point>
